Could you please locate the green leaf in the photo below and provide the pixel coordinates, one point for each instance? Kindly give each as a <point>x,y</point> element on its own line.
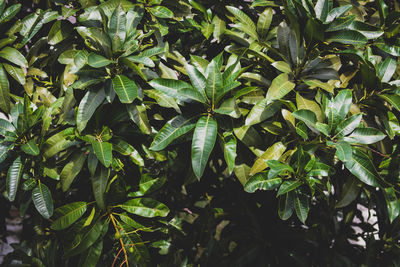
<point>264,22</point>
<point>58,32</point>
<point>88,106</point>
<point>170,87</point>
<point>365,136</point>
<point>301,205</point>
<point>125,88</point>
<point>98,61</point>
<point>288,186</point>
<point>127,150</point>
<point>363,168</point>
<point>248,25</point>
<point>42,200</point>
<point>306,116</point>
<point>317,83</point>
<point>116,27</point>
<point>276,167</point>
<point>198,81</point>
<point>337,12</point>
<point>344,151</point>
<point>138,114</point>
<point>13,177</point>
<point>303,103</point>
<point>349,192</point>
<point>321,10</point>
<point>14,56</point>
<point>261,182</point>
<point>9,13</point>
<point>103,151</point>
<point>286,206</point>
<point>145,207</point>
<point>282,66</point>
<point>273,152</point>
<point>16,72</point>
<point>88,237</point>
<point>203,141</point>
<point>348,125</point>
<point>174,128</point>
<point>261,111</point>
<point>230,145</point>
<point>68,214</point>
<point>99,185</point>
<point>92,255</point>
<point>163,100</point>
<point>219,27</point>
<point>4,151</point>
<point>280,87</point>
<point>392,203</point>
<point>30,148</point>
<point>341,103</point>
<point>4,91</point>
<point>386,69</point>
<point>393,100</point>
<point>347,37</point>
<point>72,169</point>
<point>161,12</point>
<point>214,81</point>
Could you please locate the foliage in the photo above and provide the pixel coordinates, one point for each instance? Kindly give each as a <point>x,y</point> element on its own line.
<point>187,133</point>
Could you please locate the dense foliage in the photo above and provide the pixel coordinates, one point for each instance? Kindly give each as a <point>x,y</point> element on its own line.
<point>201,133</point>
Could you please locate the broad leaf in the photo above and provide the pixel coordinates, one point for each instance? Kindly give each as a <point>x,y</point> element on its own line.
<point>260,181</point>
<point>88,106</point>
<point>68,214</point>
<point>280,87</point>
<point>174,128</point>
<point>13,177</point>
<point>203,141</point>
<point>42,200</point>
<point>125,88</point>
<point>103,151</point>
<point>145,207</point>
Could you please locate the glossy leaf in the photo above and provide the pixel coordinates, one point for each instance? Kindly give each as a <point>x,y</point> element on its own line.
<point>125,88</point>
<point>41,197</point>
<point>204,136</point>
<point>68,214</point>
<point>13,178</point>
<point>145,207</point>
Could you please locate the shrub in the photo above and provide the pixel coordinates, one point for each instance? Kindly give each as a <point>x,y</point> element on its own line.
<point>201,133</point>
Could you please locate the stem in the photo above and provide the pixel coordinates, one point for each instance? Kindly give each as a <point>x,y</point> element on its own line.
<point>120,239</point>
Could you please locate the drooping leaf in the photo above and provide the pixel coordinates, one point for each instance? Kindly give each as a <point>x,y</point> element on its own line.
<point>230,146</point>
<point>72,169</point>
<point>301,205</point>
<point>145,207</point>
<point>363,168</point>
<point>68,214</point>
<point>172,130</point>
<point>99,185</point>
<point>4,91</point>
<point>41,197</point>
<point>88,106</point>
<point>203,141</point>
<point>13,177</point>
